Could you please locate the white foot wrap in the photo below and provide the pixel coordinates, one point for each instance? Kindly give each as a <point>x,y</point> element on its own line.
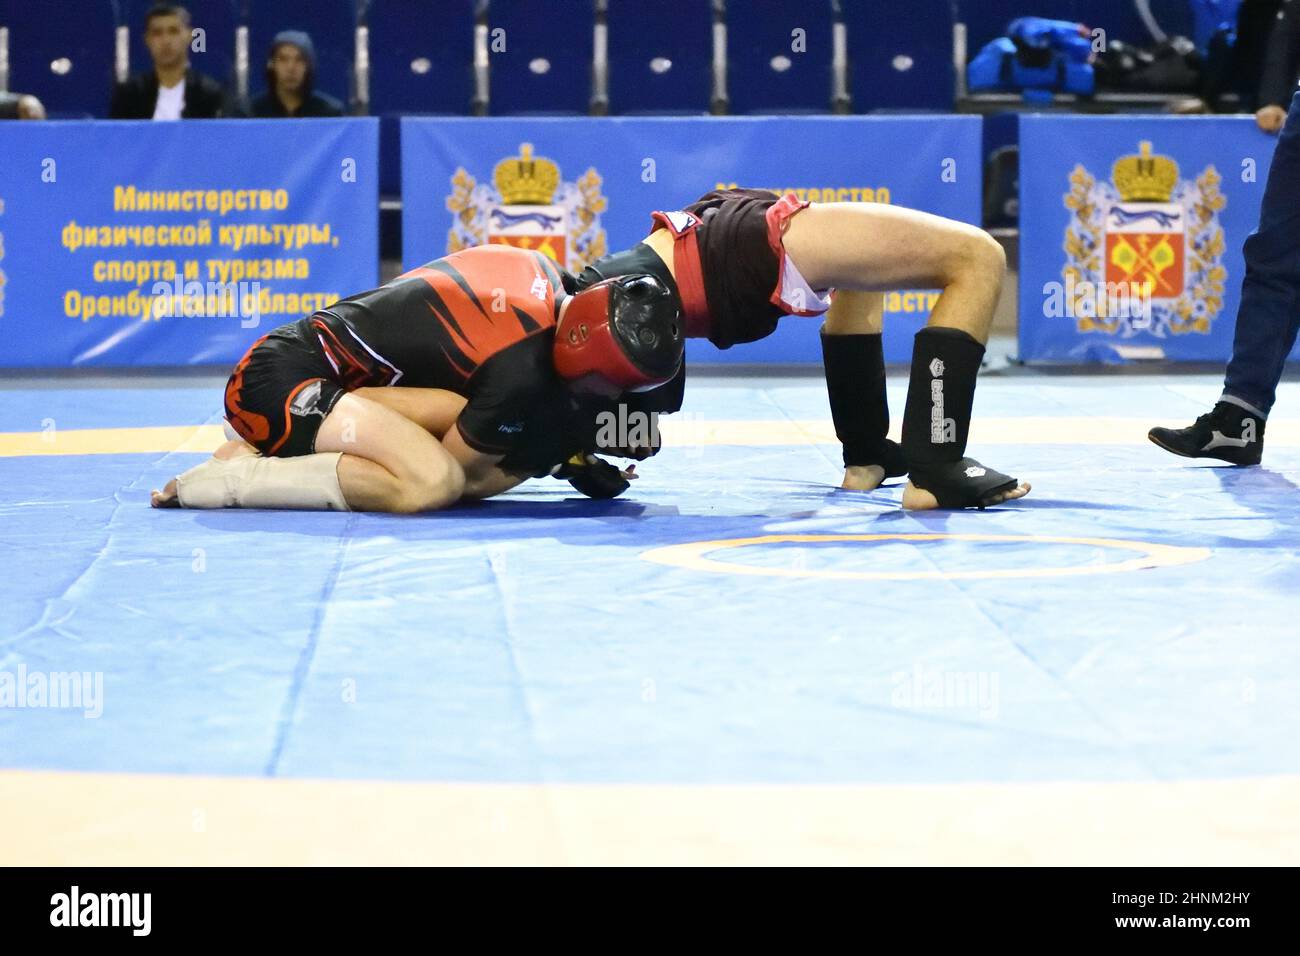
<point>306,483</point>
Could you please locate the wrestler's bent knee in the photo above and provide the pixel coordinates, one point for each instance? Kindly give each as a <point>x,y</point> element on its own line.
<point>986,254</point>
<point>440,486</point>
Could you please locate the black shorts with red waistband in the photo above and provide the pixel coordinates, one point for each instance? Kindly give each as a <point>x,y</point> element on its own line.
<point>284,386</point>
<point>730,265</point>
<point>740,266</point>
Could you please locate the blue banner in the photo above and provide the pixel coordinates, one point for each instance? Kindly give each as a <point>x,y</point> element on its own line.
<point>138,243</point>
<point>1131,231</point>
<point>581,188</point>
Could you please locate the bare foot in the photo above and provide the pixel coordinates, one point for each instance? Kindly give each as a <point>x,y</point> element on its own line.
<point>918,499</point>
<point>863,477</point>
<point>166,498</point>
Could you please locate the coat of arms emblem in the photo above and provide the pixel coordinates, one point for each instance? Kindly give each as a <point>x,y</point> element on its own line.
<point>1146,236</point>
<point>528,205</point>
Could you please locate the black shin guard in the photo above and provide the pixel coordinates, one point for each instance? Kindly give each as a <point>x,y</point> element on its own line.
<point>940,394</point>
<point>855,383</point>
<point>936,422</point>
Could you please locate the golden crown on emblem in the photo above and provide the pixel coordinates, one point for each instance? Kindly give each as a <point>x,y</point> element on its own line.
<point>1145,178</point>
<point>524,181</point>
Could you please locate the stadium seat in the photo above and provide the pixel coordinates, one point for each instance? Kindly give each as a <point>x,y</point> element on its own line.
<point>216,18</point>
<point>421,62</point>
<point>660,56</point>
<point>541,69</point>
<point>899,62</point>
<point>63,54</point>
<point>770,69</point>
<point>332,25</point>
<point>417,65</point>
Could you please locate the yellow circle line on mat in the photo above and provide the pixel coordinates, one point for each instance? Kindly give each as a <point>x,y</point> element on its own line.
<point>692,557</point>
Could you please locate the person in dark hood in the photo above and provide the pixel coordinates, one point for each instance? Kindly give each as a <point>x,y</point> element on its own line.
<point>290,72</point>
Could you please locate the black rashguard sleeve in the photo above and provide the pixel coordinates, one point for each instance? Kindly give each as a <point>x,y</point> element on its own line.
<point>515,397</point>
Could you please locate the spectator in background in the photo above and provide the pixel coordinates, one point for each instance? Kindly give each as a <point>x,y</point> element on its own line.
<point>20,106</point>
<point>172,89</point>
<point>290,72</point>
<point>1281,68</point>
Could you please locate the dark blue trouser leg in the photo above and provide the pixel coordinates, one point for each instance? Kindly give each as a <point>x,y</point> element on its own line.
<point>1269,316</point>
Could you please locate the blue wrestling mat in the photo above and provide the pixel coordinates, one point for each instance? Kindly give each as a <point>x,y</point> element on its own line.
<point>734,619</point>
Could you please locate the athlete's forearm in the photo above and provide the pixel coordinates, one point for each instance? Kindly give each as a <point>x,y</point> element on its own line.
<point>484,476</point>
<point>492,482</point>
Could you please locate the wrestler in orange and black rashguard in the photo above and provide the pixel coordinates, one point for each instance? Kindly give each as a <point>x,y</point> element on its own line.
<point>479,322</point>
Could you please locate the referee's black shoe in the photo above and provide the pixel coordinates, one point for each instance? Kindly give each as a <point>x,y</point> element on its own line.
<point>1228,433</point>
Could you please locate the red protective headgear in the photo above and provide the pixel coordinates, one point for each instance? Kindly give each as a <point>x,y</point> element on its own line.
<point>627,329</point>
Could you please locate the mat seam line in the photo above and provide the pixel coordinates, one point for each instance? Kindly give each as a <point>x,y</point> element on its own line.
<point>308,653</point>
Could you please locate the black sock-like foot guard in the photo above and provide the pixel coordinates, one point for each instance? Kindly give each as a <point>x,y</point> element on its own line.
<point>962,484</point>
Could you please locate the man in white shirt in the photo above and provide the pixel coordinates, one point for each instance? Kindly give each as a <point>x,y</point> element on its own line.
<point>171,101</point>
<point>172,89</point>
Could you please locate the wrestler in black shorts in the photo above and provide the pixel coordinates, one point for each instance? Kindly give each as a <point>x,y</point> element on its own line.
<point>734,287</point>
<point>735,281</point>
